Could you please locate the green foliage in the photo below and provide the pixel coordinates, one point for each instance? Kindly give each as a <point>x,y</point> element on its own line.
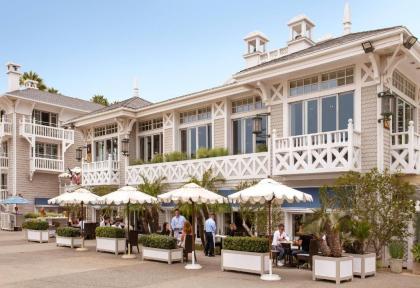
<point>103,189</point>
<point>262,148</point>
<point>360,230</point>
<point>175,156</point>
<point>31,215</point>
<point>110,232</point>
<point>52,90</point>
<point>54,214</point>
<point>31,75</point>
<point>136,162</point>
<point>158,241</point>
<point>215,152</point>
<point>247,244</point>
<point>396,249</point>
<point>35,225</point>
<point>100,99</point>
<point>203,153</point>
<point>158,158</point>
<point>68,232</point>
<point>416,252</point>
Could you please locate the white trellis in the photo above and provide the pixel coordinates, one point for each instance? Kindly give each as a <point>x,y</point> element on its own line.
<point>101,173</point>
<point>405,151</point>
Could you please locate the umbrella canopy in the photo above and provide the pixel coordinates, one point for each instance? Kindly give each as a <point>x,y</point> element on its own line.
<point>15,200</point>
<point>77,197</point>
<point>191,193</point>
<point>126,195</point>
<point>269,190</point>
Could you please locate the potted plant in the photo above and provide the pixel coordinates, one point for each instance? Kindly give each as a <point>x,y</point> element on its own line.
<point>68,236</point>
<point>416,255</point>
<point>246,254</point>
<point>396,251</point>
<point>110,239</point>
<point>364,264</point>
<point>36,230</point>
<point>160,248</point>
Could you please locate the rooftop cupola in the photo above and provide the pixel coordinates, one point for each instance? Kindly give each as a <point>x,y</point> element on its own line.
<point>31,84</point>
<point>300,33</point>
<point>13,76</point>
<point>255,46</point>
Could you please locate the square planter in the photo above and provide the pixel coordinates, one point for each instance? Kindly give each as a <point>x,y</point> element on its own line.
<point>165,255</point>
<point>40,236</point>
<point>242,261</point>
<point>331,268</point>
<point>69,241</point>
<point>363,264</point>
<point>114,245</point>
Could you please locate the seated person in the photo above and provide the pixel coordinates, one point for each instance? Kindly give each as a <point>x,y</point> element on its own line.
<point>186,230</point>
<point>303,242</point>
<point>279,237</point>
<point>166,229</point>
<point>232,229</point>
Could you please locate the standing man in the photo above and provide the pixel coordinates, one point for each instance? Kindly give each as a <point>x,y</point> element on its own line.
<point>177,224</point>
<point>210,229</point>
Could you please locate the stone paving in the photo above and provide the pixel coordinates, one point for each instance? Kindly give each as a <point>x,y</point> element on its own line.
<point>24,264</point>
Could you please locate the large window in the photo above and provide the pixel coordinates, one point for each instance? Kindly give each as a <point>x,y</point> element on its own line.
<point>150,145</point>
<point>323,114</point>
<point>106,130</point>
<point>404,113</point>
<point>324,81</point>
<point>106,147</point>
<point>194,138</point>
<point>247,104</point>
<point>195,115</point>
<point>3,149</point>
<point>150,124</point>
<point>401,82</point>
<point>2,114</point>
<point>244,141</point>
<point>46,150</point>
<point>45,118</point>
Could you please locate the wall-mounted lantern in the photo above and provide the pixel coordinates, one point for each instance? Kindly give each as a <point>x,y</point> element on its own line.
<point>79,154</point>
<point>257,125</point>
<point>387,107</point>
<point>125,146</point>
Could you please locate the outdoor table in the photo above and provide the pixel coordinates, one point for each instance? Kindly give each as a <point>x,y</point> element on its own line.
<point>288,258</point>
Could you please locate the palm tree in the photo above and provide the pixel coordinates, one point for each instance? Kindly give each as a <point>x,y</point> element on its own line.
<point>52,90</point>
<point>100,99</point>
<point>31,75</point>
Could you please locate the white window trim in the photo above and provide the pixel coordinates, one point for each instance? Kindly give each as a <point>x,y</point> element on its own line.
<point>153,140</point>
<point>243,132</point>
<point>196,137</point>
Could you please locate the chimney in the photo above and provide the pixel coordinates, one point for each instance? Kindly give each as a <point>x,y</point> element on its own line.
<point>31,84</point>
<point>136,92</point>
<point>347,19</point>
<point>13,76</point>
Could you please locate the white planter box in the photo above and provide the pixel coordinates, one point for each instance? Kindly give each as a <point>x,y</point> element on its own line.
<point>37,235</point>
<point>68,241</point>
<point>114,245</point>
<point>164,255</point>
<point>250,262</point>
<point>364,265</point>
<point>330,268</point>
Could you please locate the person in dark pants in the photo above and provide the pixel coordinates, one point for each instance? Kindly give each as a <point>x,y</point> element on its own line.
<point>210,230</point>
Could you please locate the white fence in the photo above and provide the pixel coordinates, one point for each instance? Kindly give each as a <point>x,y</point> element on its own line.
<point>405,151</point>
<point>47,164</point>
<point>101,173</point>
<point>27,128</point>
<point>5,127</point>
<point>4,162</point>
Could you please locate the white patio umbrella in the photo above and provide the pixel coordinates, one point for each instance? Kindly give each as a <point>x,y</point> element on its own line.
<point>125,196</point>
<point>192,193</point>
<point>269,191</point>
<point>80,197</point>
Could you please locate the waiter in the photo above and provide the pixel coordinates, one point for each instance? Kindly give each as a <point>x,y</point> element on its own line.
<point>177,224</point>
<point>210,229</point>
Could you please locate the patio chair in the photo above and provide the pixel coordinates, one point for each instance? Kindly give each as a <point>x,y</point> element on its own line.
<point>306,258</point>
<point>89,230</point>
<point>133,239</point>
<point>188,247</point>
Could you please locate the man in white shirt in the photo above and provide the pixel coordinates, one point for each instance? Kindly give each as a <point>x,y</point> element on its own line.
<point>279,236</point>
<point>177,224</point>
<point>210,230</point>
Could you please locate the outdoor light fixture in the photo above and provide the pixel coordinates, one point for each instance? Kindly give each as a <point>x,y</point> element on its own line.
<point>387,105</point>
<point>367,47</point>
<point>79,154</point>
<point>257,125</point>
<point>125,146</point>
<point>410,41</point>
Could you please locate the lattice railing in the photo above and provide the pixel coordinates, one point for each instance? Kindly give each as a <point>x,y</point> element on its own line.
<point>101,173</point>
<point>233,167</point>
<point>405,151</point>
<point>333,151</point>
<point>4,162</point>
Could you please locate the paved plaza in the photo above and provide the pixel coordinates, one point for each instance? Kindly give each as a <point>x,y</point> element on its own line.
<point>24,264</point>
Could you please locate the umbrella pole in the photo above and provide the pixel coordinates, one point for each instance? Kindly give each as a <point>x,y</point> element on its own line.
<point>270,276</point>
<point>128,254</point>
<point>193,265</point>
<point>82,228</point>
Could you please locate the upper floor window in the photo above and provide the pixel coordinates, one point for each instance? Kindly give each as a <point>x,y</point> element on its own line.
<point>195,115</point>
<point>150,146</point>
<point>2,114</point>
<point>247,104</point>
<point>324,81</point>
<point>105,130</point>
<point>195,138</point>
<point>3,149</point>
<point>150,124</point>
<point>323,114</point>
<point>404,113</point>
<point>401,82</point>
<point>46,150</point>
<point>105,148</point>
<point>45,118</point>
<point>244,141</point>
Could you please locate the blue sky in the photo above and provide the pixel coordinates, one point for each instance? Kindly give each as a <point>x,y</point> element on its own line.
<point>89,47</point>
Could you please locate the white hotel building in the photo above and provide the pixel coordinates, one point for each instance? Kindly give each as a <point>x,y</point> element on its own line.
<point>318,100</point>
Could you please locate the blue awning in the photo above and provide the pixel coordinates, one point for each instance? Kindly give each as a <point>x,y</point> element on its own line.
<point>43,202</point>
<point>314,192</point>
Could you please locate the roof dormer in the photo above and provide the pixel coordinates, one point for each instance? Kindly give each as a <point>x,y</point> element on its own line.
<point>300,33</point>
<point>255,46</point>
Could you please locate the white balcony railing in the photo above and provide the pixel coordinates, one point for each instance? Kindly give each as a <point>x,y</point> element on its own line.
<point>274,54</point>
<point>29,128</point>
<point>405,151</point>
<point>101,173</point>
<point>5,127</point>
<point>47,164</point>
<point>233,167</point>
<point>334,151</point>
<point>3,194</point>
<point>4,162</point>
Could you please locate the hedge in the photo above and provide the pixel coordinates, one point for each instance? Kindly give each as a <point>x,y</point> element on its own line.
<point>68,232</point>
<point>31,215</point>
<point>110,232</point>
<point>35,225</point>
<point>158,241</point>
<point>247,244</point>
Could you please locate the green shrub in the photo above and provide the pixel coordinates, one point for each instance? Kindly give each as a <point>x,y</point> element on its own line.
<point>158,241</point>
<point>262,148</point>
<point>158,158</point>
<point>203,153</point>
<point>136,162</point>
<point>218,152</point>
<point>396,250</point>
<point>68,232</point>
<point>247,244</point>
<point>175,156</point>
<point>31,215</point>
<point>54,214</point>
<point>416,252</point>
<point>35,225</point>
<point>110,232</point>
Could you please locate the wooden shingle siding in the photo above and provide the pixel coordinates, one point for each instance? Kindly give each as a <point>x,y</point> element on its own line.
<point>219,132</point>
<point>369,128</point>
<point>167,140</point>
<point>277,119</point>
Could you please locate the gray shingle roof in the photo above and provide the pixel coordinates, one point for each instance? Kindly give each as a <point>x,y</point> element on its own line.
<point>132,103</point>
<point>58,99</point>
<point>324,45</point>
